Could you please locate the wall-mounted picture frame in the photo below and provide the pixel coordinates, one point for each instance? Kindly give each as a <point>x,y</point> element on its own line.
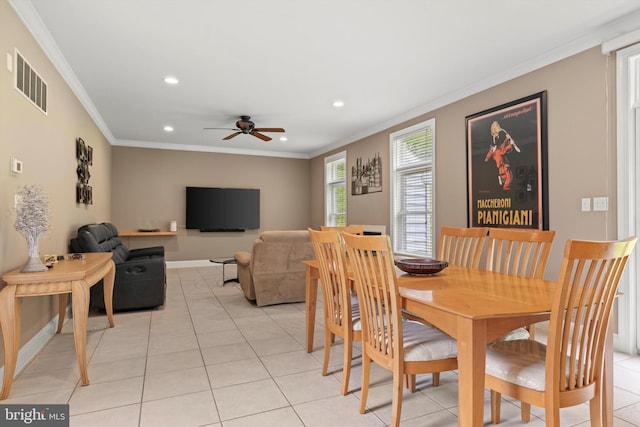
<point>366,177</point>
<point>84,155</point>
<point>81,149</point>
<point>507,165</point>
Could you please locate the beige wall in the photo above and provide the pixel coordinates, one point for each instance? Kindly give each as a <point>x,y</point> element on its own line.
<point>148,191</point>
<point>46,146</point>
<point>581,152</point>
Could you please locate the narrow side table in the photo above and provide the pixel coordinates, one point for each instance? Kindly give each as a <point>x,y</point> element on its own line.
<point>224,261</point>
<point>66,277</point>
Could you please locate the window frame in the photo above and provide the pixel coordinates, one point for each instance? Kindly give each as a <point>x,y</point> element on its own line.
<point>331,183</point>
<point>398,232</point>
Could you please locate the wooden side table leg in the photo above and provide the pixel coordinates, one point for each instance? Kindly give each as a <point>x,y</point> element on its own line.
<point>107,286</point>
<point>10,323</point>
<point>63,300</point>
<point>311,299</point>
<point>80,304</point>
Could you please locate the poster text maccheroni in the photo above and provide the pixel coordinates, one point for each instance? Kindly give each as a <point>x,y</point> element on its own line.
<point>499,212</point>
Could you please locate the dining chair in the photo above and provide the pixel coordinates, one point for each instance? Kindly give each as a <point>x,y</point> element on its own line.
<point>462,246</point>
<point>569,369</point>
<point>523,253</point>
<point>341,311</point>
<point>404,347</point>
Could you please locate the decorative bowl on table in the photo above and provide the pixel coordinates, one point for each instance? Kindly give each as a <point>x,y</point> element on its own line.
<point>421,265</point>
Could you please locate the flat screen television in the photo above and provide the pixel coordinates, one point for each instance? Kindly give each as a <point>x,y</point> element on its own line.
<point>223,209</point>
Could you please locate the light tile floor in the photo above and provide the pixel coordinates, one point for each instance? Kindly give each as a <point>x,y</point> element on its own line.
<point>210,358</point>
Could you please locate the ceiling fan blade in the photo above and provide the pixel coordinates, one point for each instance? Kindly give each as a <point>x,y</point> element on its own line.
<point>222,129</point>
<point>231,136</point>
<point>261,136</point>
<point>269,129</point>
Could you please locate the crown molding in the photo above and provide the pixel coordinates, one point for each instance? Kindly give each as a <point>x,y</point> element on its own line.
<point>205,149</point>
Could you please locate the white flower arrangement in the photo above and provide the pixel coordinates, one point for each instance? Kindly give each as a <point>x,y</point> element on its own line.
<point>32,220</point>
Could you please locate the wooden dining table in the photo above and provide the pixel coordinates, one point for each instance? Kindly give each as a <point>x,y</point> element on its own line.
<point>475,307</point>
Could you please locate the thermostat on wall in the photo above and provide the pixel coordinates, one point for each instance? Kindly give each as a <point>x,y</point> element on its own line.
<point>16,165</point>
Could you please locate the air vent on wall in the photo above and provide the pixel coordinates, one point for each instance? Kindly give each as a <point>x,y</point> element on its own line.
<point>30,83</point>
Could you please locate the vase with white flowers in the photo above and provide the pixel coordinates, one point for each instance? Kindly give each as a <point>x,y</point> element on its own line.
<point>32,220</point>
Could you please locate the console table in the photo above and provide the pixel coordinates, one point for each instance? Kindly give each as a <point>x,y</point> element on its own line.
<point>65,277</point>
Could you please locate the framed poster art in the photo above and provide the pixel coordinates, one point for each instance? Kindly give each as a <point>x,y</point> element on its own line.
<point>507,165</point>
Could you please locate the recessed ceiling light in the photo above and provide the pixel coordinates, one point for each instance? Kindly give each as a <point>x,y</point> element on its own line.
<point>283,138</point>
<point>338,103</point>
<point>170,80</point>
<point>168,128</point>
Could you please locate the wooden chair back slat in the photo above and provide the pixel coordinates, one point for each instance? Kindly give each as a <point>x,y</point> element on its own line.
<point>519,252</point>
<point>462,246</point>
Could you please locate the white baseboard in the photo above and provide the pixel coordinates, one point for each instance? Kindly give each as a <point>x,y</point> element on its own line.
<point>191,263</point>
<point>35,345</point>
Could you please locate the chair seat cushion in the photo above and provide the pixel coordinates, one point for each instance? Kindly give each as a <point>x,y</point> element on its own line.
<point>422,342</point>
<point>521,362</point>
<point>355,317</point>
<point>517,334</point>
<point>355,314</point>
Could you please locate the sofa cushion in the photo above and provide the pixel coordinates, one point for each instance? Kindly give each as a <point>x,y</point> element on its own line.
<point>103,238</point>
<point>242,257</point>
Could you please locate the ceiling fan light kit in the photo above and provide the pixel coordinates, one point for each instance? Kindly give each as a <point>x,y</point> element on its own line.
<point>247,127</point>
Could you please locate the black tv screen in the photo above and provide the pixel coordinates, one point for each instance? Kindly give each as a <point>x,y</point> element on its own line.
<point>223,209</point>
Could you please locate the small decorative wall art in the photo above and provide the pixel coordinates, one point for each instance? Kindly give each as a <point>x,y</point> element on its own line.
<point>366,177</point>
<point>84,154</point>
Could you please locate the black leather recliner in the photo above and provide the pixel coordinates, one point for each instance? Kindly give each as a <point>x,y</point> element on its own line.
<point>140,280</point>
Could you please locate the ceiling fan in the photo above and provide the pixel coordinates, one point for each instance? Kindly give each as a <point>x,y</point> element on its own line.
<point>247,127</point>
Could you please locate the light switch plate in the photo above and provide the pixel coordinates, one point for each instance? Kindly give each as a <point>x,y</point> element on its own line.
<point>16,165</point>
<point>600,203</point>
<point>586,204</point>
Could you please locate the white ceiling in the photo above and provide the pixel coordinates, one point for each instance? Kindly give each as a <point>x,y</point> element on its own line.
<point>284,62</point>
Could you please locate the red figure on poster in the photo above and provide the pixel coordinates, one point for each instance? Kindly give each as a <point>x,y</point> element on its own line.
<point>501,145</point>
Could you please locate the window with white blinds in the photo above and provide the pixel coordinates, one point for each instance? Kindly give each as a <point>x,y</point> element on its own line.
<point>335,177</point>
<point>412,189</point>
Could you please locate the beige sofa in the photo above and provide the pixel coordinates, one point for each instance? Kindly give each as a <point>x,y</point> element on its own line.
<point>272,272</point>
